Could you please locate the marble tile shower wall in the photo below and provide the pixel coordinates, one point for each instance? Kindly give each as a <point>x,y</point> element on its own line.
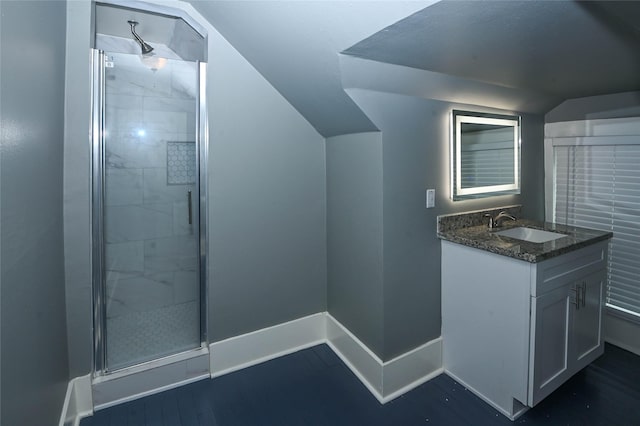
<point>151,251</point>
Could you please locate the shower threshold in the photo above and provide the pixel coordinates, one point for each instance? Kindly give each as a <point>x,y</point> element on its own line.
<point>151,377</point>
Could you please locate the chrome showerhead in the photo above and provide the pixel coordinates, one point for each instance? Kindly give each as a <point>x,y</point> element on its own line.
<point>146,48</point>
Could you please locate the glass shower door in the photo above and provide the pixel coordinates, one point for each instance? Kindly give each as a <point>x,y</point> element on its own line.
<point>150,210</point>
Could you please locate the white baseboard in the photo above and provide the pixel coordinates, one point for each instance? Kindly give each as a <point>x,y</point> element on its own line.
<point>411,369</point>
<point>386,380</point>
<point>356,355</point>
<point>390,379</point>
<point>77,401</point>
<point>253,348</point>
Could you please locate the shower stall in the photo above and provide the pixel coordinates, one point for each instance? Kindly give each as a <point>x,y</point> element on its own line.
<point>148,201</point>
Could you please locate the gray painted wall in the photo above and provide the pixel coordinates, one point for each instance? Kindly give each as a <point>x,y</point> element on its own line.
<point>267,198</point>
<point>267,227</point>
<point>617,105</point>
<point>34,350</point>
<point>77,187</point>
<point>415,139</point>
<point>354,235</point>
<point>374,173</point>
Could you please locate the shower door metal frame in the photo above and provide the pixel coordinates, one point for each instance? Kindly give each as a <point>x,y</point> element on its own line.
<point>100,367</point>
<point>97,204</point>
<point>202,159</point>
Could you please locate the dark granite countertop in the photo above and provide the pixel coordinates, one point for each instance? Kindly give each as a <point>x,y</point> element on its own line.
<point>479,236</point>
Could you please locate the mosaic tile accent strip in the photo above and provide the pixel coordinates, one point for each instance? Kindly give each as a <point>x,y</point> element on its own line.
<point>181,163</point>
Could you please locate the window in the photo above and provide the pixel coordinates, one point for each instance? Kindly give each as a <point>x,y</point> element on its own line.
<point>595,183</point>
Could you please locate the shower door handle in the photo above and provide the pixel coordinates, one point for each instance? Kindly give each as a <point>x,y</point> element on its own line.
<point>190,210</point>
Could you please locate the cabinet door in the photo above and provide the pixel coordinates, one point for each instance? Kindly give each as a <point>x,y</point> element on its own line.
<point>550,328</point>
<point>586,337</point>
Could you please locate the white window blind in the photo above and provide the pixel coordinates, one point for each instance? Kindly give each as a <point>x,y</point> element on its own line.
<point>598,186</point>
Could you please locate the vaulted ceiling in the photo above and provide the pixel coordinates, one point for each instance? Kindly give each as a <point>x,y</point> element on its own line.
<point>295,46</point>
<point>560,49</point>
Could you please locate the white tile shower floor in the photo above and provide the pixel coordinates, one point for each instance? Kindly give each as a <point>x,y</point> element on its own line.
<point>142,336</point>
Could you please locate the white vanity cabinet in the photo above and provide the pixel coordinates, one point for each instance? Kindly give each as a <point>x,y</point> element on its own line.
<point>566,323</point>
<point>513,331</point>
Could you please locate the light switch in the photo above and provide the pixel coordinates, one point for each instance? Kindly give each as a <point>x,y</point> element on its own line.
<point>431,198</point>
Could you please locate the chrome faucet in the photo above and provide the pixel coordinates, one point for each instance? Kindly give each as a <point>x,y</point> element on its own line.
<point>496,222</point>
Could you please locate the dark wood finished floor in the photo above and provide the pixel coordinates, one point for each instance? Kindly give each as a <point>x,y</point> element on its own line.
<point>314,387</point>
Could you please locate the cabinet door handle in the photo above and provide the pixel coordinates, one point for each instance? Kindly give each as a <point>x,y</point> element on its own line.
<point>584,293</point>
<point>576,300</point>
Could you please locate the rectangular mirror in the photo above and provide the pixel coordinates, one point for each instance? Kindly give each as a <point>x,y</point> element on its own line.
<point>485,155</point>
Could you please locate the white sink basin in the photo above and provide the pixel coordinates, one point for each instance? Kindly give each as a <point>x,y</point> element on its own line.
<point>531,235</point>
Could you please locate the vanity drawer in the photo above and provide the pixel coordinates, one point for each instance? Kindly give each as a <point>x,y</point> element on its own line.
<point>555,272</point>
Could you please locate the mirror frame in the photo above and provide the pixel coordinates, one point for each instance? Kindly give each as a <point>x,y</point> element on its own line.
<point>458,118</point>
